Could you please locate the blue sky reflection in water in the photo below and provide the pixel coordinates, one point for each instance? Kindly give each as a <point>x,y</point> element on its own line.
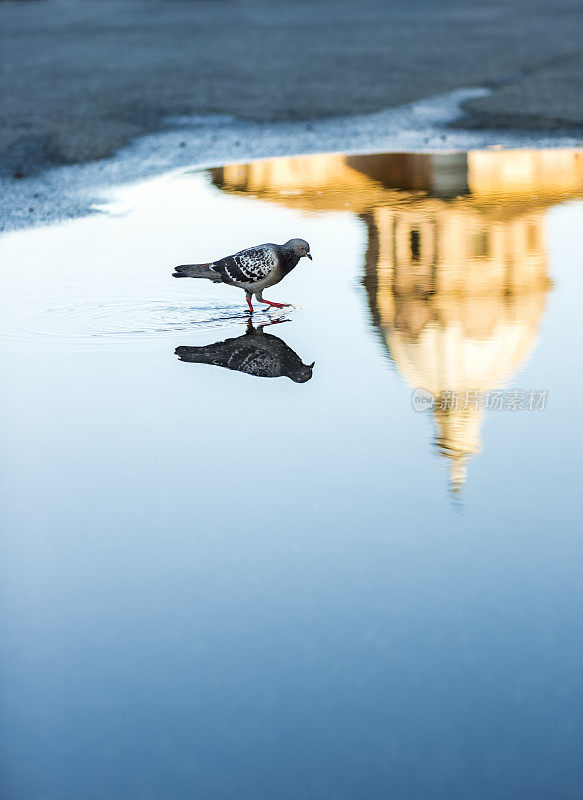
<point>220,585</point>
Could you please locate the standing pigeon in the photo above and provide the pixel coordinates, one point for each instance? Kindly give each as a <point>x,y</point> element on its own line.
<point>255,353</point>
<point>252,270</point>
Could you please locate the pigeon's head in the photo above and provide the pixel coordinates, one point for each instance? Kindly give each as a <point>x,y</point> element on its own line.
<point>300,247</point>
<point>302,373</point>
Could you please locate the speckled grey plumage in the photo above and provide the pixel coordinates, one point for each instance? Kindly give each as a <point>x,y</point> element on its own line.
<point>253,269</point>
<point>255,353</point>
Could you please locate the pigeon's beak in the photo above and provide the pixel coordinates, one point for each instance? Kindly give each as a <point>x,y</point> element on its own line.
<point>309,256</point>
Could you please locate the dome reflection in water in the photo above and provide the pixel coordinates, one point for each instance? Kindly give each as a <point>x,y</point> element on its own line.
<point>455,270</point>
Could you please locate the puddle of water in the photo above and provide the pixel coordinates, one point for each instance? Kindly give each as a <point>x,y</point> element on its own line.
<point>359,577</point>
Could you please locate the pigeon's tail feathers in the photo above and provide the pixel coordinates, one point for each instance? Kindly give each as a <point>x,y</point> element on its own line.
<point>196,271</point>
<point>196,355</point>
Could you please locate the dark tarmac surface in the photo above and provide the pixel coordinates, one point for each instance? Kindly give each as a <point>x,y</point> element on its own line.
<point>79,80</point>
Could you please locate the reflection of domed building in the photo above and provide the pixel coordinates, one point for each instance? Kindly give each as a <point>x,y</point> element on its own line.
<point>455,267</point>
<point>454,321</point>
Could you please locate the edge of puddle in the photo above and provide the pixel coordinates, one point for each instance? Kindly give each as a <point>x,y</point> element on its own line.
<point>196,143</point>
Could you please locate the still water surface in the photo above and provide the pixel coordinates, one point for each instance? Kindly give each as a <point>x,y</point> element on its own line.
<point>280,579</point>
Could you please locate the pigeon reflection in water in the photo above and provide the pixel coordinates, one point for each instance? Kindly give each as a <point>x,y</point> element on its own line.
<point>255,353</point>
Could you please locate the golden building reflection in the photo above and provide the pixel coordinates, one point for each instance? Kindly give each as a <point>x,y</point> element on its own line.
<point>455,272</point>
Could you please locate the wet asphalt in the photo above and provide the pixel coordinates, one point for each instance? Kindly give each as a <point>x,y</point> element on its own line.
<point>79,80</point>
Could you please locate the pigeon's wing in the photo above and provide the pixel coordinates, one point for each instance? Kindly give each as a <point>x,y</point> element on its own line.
<point>240,354</point>
<point>248,266</point>
<point>255,361</point>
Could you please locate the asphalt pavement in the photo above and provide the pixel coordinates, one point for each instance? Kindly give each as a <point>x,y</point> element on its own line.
<point>81,78</point>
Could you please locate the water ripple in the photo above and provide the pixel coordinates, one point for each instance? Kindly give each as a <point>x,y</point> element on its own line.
<point>131,319</point>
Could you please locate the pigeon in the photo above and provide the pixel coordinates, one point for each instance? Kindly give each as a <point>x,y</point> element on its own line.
<point>255,353</point>
<point>252,270</point>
